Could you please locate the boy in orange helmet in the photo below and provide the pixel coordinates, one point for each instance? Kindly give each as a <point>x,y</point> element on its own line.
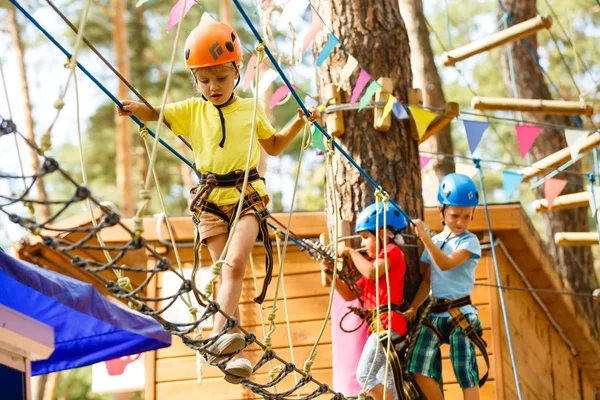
<point>218,126</point>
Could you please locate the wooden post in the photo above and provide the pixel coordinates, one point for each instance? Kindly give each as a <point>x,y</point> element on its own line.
<point>576,238</point>
<point>556,107</point>
<point>333,121</point>
<point>380,96</point>
<point>497,39</point>
<point>450,112</point>
<point>557,159</point>
<point>573,200</point>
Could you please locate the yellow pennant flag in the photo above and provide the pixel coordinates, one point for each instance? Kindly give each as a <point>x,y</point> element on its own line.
<point>422,119</point>
<point>388,107</point>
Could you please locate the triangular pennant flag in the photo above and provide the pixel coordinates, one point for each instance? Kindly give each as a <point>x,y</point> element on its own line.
<point>310,101</point>
<point>278,96</point>
<point>575,139</point>
<point>175,14</point>
<point>316,25</point>
<point>265,81</point>
<point>526,135</point>
<point>361,82</point>
<point>399,111</point>
<point>290,12</point>
<point>424,161</point>
<point>348,69</point>
<point>332,41</point>
<point>369,93</point>
<point>140,2</point>
<point>510,182</point>
<point>466,169</point>
<point>552,188</point>
<point>387,109</point>
<point>250,72</point>
<point>475,130</point>
<point>317,140</point>
<point>422,119</point>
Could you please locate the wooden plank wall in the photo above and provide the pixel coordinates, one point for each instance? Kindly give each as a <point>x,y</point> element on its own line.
<point>547,369</point>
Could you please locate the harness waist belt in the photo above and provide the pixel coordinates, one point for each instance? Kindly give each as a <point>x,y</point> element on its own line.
<point>230,179</point>
<point>443,305</point>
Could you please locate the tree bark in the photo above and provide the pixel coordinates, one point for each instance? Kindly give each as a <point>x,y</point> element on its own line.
<point>575,264</point>
<point>124,139</point>
<point>427,78</point>
<point>375,34</point>
<point>43,210</point>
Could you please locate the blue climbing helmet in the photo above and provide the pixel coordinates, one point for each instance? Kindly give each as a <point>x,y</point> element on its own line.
<point>458,190</point>
<point>366,220</point>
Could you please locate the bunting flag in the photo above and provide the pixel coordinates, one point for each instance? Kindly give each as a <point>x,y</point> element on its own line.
<point>575,140</point>
<point>268,77</point>
<point>399,111</point>
<point>361,82</point>
<point>510,182</point>
<point>526,135</point>
<point>290,12</point>
<point>250,72</point>
<point>424,161</point>
<point>348,69</point>
<point>422,119</point>
<point>466,169</point>
<point>369,93</point>
<point>140,2</point>
<point>175,14</point>
<point>280,94</point>
<point>317,140</point>
<point>552,188</point>
<point>332,41</point>
<point>310,101</point>
<point>316,25</point>
<point>475,130</point>
<point>387,109</point>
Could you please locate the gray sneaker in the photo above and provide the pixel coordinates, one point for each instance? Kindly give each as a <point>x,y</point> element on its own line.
<point>224,347</point>
<point>238,370</point>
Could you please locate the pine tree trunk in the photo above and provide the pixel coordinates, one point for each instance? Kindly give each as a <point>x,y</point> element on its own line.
<point>124,143</point>
<point>43,210</point>
<point>375,35</point>
<point>427,78</point>
<point>575,264</point>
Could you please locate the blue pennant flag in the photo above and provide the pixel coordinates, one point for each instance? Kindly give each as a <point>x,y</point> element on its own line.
<point>510,182</point>
<point>399,111</point>
<point>475,130</point>
<point>332,41</point>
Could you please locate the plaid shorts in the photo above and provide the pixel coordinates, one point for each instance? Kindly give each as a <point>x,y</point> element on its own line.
<point>426,358</point>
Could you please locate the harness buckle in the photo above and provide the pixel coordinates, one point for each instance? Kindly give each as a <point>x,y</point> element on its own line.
<point>262,214</point>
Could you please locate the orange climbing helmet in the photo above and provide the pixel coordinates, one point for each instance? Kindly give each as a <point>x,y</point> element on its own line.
<point>212,43</point>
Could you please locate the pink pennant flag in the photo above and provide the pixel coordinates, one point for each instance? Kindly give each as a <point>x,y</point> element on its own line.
<point>279,95</point>
<point>552,188</point>
<point>424,161</point>
<point>250,71</point>
<point>526,135</point>
<point>361,82</point>
<point>315,27</point>
<point>175,14</point>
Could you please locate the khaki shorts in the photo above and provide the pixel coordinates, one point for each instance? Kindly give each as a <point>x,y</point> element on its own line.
<point>211,225</point>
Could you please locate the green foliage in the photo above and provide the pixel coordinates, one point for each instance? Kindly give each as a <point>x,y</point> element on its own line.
<point>77,384</point>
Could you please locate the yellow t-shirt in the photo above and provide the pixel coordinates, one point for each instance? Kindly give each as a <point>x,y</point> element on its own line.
<point>199,120</point>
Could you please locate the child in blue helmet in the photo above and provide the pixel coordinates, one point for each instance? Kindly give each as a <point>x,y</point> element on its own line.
<point>449,262</point>
<point>366,227</point>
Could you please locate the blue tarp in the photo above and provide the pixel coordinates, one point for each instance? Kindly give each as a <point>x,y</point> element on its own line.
<point>87,327</point>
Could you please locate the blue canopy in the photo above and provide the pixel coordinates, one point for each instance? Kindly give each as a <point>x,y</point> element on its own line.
<point>87,327</point>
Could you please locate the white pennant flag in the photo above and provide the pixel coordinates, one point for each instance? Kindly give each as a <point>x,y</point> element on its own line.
<point>466,169</point>
<point>265,80</point>
<point>348,69</point>
<point>290,13</point>
<point>575,139</point>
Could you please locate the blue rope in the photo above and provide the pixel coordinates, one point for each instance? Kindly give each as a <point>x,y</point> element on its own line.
<point>303,107</point>
<point>592,179</point>
<point>89,75</point>
<point>497,271</point>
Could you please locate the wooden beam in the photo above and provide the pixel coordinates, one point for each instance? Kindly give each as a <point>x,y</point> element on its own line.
<point>573,200</point>
<point>497,39</point>
<point>451,111</point>
<point>576,238</point>
<point>557,159</point>
<point>555,107</point>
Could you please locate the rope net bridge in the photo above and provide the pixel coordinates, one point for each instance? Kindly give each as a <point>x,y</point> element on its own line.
<point>88,241</point>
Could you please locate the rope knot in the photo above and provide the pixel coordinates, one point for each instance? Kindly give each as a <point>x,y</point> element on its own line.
<point>46,141</point>
<point>274,371</point>
<point>268,343</point>
<point>138,226</point>
<point>362,395</point>
<point>308,366</point>
<point>145,194</point>
<point>59,104</point>
<point>193,310</point>
<point>143,131</point>
<point>125,283</point>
